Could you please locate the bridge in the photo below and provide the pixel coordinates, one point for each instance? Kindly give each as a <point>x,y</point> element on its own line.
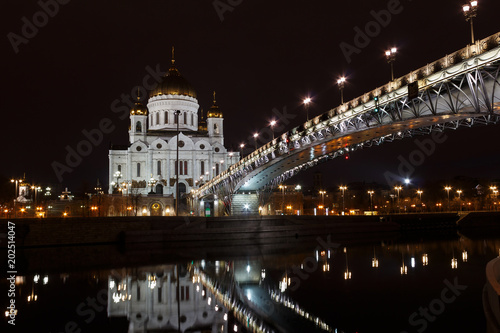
<point>461,89</point>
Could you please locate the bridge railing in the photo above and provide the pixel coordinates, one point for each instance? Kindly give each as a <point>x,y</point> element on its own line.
<point>366,101</point>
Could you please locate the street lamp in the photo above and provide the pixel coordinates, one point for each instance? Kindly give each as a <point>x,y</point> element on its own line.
<point>390,55</point>
<point>323,198</point>
<point>448,189</point>
<point>306,103</point>
<point>495,192</point>
<point>15,193</point>
<point>282,188</point>
<point>343,189</point>
<point>459,199</point>
<point>272,124</point>
<point>255,136</point>
<point>371,200</point>
<point>419,192</point>
<point>341,84</point>
<point>398,188</point>
<point>470,12</point>
<point>177,113</point>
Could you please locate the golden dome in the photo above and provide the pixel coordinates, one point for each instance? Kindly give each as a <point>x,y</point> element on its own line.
<point>173,83</point>
<point>139,109</point>
<point>214,111</point>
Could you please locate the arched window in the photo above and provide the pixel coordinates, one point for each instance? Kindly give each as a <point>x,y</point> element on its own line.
<point>216,129</point>
<point>185,118</point>
<point>158,168</point>
<point>166,117</point>
<point>216,169</point>
<point>158,118</point>
<point>192,119</point>
<point>119,168</point>
<point>202,168</point>
<point>138,169</point>
<point>138,126</point>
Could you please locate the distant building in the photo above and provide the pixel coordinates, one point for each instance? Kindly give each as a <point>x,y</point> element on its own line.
<point>147,165</point>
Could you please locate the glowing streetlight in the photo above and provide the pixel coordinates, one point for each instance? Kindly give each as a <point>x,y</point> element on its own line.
<point>272,124</point>
<point>343,189</point>
<point>371,199</point>
<point>448,189</point>
<point>306,103</point>
<point>470,12</point>
<point>341,84</point>
<point>459,192</point>
<point>255,136</point>
<point>390,55</point>
<point>398,188</point>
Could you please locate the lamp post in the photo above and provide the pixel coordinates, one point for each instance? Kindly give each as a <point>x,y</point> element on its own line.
<point>495,192</point>
<point>255,136</point>
<point>459,192</point>
<point>272,124</point>
<point>15,193</point>
<point>323,199</point>
<point>282,188</point>
<point>343,189</point>
<point>448,189</point>
<point>470,12</point>
<point>371,200</point>
<point>306,103</point>
<point>398,188</point>
<point>341,84</point>
<point>177,113</point>
<point>419,192</point>
<point>390,55</point>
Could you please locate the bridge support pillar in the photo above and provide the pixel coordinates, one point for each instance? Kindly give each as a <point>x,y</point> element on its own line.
<point>245,203</point>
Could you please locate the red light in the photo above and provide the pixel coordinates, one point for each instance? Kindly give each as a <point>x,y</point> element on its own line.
<point>347,157</point>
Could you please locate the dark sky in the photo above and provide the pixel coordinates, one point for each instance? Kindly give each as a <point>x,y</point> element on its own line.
<point>258,55</point>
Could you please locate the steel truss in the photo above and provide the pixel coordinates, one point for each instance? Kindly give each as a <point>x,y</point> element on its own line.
<point>460,90</point>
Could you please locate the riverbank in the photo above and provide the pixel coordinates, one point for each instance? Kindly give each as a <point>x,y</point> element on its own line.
<point>251,229</point>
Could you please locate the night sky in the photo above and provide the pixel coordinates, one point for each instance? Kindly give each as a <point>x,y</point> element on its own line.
<point>258,55</point>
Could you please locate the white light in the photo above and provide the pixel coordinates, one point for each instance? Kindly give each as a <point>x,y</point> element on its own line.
<point>407,181</point>
<point>235,328</point>
<point>203,263</point>
<point>307,100</point>
<point>36,278</point>
<point>246,206</point>
<point>412,262</point>
<point>209,300</point>
<point>225,316</point>
<point>248,268</point>
<point>393,50</point>
<point>45,279</point>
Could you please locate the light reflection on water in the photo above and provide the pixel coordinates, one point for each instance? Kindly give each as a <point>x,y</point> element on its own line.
<point>386,286</point>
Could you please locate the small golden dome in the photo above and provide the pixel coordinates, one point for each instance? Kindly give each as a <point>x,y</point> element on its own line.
<point>214,111</point>
<point>139,109</point>
<point>173,83</point>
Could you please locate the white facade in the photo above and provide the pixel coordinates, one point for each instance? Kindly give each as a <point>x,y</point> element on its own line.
<point>148,164</point>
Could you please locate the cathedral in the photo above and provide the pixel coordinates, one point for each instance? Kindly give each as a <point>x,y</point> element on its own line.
<point>170,124</point>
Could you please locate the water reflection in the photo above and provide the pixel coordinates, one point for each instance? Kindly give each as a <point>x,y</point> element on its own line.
<point>165,297</point>
<point>345,288</point>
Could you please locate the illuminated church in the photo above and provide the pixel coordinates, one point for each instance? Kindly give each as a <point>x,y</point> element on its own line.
<point>147,166</point>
